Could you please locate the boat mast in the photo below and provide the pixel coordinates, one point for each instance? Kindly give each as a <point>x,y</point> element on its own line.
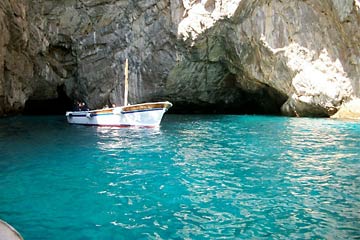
<point>126,90</point>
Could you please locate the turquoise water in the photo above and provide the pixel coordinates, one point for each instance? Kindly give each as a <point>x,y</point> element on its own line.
<point>197,177</point>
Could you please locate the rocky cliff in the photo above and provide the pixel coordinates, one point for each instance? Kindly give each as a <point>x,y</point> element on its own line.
<point>298,58</point>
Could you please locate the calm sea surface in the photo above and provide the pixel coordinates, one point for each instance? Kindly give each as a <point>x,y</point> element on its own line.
<point>196,177</point>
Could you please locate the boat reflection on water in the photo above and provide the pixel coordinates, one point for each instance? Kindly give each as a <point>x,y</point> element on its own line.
<point>113,139</point>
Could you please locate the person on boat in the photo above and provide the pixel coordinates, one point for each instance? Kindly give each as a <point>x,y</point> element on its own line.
<point>84,107</point>
<point>77,106</point>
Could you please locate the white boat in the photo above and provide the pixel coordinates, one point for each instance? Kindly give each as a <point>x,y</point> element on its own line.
<point>138,115</point>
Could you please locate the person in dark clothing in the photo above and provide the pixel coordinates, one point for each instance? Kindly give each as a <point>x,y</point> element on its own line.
<point>84,107</point>
<point>77,106</point>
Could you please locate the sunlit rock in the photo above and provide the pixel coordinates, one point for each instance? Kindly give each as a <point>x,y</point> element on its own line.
<point>320,85</point>
<point>349,110</point>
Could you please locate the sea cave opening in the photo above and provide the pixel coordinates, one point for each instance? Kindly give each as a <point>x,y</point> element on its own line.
<point>265,101</point>
<point>55,106</point>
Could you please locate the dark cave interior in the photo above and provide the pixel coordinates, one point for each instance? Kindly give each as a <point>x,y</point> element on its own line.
<point>56,106</point>
<point>264,102</point>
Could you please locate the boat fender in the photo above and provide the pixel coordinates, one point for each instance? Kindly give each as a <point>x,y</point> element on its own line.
<point>88,115</point>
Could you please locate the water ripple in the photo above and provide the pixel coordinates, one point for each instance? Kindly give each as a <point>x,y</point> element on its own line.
<point>197,177</point>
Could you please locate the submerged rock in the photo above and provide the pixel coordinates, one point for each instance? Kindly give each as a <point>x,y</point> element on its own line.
<point>297,58</point>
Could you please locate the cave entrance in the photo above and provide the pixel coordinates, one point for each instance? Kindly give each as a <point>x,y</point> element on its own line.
<point>57,106</point>
<point>234,100</point>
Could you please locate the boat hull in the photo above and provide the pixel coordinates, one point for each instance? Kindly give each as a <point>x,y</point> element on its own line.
<point>139,115</point>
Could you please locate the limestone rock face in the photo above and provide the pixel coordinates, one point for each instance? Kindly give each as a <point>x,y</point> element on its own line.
<point>88,42</point>
<point>298,58</point>
<point>16,66</point>
<point>304,54</point>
